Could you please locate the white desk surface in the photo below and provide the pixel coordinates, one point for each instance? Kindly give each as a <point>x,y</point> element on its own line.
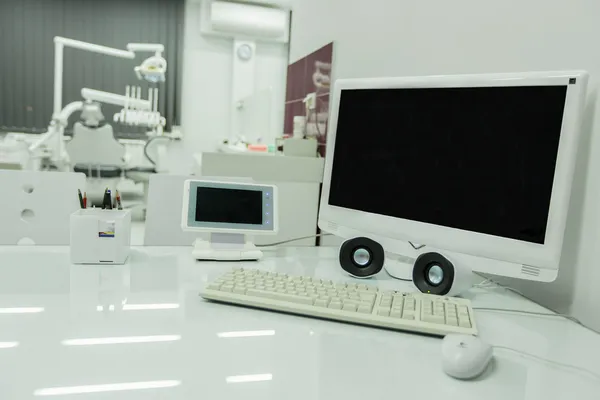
<point>156,294</point>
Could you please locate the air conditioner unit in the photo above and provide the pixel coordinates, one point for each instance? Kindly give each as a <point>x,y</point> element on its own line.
<point>284,4</point>
<point>245,21</point>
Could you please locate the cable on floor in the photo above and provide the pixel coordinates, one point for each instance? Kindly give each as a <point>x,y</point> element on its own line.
<point>555,363</point>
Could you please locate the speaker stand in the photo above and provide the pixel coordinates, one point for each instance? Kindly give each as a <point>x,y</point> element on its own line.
<point>399,269</point>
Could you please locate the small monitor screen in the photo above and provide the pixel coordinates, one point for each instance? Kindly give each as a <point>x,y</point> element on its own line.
<point>480,159</point>
<point>233,206</point>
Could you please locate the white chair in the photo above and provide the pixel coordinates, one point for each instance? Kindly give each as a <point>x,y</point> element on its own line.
<point>163,212</point>
<point>35,207</point>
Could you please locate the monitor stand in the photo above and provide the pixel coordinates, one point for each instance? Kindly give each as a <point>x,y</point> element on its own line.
<point>399,266</point>
<point>226,247</point>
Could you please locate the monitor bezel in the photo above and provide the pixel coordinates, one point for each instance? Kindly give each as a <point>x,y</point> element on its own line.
<point>545,256</point>
<point>220,227</point>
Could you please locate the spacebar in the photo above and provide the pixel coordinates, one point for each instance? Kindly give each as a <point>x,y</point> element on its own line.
<point>280,296</point>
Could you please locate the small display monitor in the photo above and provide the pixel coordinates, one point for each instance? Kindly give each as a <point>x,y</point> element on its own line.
<point>229,207</point>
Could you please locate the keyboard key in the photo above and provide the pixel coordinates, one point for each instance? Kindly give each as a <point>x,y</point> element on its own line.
<point>436,319</point>
<point>349,307</point>
<point>396,314</point>
<point>213,287</point>
<point>464,323</point>
<point>281,296</point>
<point>365,309</point>
<point>321,302</point>
<point>384,312</point>
<point>370,297</point>
<point>336,306</point>
<point>386,302</point>
<point>398,303</point>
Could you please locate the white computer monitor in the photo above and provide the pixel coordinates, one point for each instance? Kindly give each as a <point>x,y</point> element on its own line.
<point>477,166</point>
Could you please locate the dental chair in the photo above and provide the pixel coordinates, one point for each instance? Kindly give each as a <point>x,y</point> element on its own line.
<point>95,152</point>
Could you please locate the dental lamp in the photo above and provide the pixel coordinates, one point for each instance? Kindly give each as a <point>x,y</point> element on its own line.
<point>152,69</point>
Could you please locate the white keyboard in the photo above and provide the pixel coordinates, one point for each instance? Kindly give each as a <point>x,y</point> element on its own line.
<point>356,303</point>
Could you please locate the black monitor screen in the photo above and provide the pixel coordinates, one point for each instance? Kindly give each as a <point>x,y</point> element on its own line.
<point>233,206</point>
<point>479,159</point>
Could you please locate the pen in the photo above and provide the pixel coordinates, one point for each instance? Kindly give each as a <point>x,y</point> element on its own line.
<point>105,198</point>
<point>80,199</point>
<point>109,201</point>
<point>119,205</point>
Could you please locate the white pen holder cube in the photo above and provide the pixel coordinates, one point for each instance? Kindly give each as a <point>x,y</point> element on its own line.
<point>100,236</point>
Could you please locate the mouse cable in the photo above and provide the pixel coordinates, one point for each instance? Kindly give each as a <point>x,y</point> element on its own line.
<point>555,363</point>
<point>543,314</point>
<point>294,240</point>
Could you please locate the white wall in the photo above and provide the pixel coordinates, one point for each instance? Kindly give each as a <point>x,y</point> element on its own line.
<point>407,37</point>
<point>206,87</point>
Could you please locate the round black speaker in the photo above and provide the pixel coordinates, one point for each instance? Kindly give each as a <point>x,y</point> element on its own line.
<point>433,273</point>
<point>361,257</point>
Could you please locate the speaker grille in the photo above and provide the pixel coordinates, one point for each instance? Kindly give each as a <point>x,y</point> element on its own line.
<point>529,270</point>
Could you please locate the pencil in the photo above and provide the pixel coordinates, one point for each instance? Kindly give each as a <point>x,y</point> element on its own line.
<point>108,200</point>
<point>80,199</point>
<point>84,199</point>
<point>119,205</point>
<point>104,199</point>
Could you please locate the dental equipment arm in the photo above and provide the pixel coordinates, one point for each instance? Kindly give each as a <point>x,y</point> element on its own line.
<point>57,126</point>
<point>146,47</point>
<point>116,99</point>
<point>59,44</point>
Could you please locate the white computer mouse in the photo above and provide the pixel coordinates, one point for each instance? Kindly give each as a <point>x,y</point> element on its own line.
<point>465,356</point>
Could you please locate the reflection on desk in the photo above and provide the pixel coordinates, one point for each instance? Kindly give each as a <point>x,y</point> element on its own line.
<point>141,331</point>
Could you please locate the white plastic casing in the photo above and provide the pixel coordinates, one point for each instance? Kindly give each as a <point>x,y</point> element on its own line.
<point>245,21</point>
<point>506,257</point>
<point>261,229</point>
<point>463,277</point>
